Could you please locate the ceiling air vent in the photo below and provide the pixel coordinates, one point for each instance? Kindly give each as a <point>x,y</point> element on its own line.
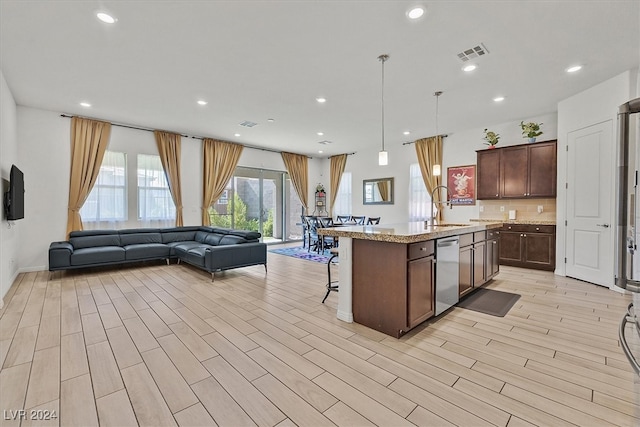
<point>248,124</point>
<point>325,142</point>
<point>474,52</point>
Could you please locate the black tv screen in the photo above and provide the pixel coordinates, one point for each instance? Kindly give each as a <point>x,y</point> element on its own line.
<point>14,198</point>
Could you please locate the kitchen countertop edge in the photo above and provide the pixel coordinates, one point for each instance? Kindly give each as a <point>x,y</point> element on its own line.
<point>390,233</point>
<point>518,221</point>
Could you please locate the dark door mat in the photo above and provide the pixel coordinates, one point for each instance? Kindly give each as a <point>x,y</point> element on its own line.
<point>489,301</point>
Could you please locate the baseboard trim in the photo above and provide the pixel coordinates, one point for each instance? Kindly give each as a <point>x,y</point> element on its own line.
<point>344,316</point>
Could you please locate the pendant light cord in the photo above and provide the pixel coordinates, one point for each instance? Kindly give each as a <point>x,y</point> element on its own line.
<point>437,95</point>
<point>383,59</point>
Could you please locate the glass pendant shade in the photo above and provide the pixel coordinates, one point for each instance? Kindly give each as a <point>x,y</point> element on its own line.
<point>383,158</point>
<point>436,170</point>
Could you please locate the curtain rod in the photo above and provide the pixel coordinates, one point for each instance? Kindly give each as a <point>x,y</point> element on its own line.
<point>348,154</point>
<point>122,125</point>
<point>413,142</point>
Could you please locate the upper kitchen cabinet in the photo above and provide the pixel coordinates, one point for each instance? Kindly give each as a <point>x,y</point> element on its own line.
<point>517,172</point>
<point>488,181</point>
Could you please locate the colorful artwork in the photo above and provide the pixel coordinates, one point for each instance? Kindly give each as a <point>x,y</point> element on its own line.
<point>461,181</point>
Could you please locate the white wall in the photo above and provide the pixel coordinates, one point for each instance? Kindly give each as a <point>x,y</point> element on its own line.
<point>594,105</point>
<point>9,232</point>
<point>45,160</point>
<point>459,149</point>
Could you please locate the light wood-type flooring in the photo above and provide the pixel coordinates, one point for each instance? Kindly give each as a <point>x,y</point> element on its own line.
<point>159,345</point>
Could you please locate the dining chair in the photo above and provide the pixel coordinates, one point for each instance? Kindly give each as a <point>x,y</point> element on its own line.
<point>359,220</point>
<point>373,221</point>
<point>315,240</point>
<point>326,221</point>
<point>305,231</point>
<point>327,242</point>
<point>343,218</point>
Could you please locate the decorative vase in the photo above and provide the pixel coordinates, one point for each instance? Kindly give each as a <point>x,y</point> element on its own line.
<point>491,147</point>
<point>532,140</point>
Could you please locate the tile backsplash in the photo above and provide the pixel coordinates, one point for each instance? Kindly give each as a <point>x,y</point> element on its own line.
<point>526,209</point>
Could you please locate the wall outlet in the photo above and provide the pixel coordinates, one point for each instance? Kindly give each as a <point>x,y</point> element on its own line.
<point>481,208</point>
<point>501,208</point>
<point>540,209</point>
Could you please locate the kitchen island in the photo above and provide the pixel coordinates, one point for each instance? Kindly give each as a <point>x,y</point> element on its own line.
<point>387,272</point>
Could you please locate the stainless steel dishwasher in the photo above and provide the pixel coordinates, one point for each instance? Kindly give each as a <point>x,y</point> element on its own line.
<point>447,273</point>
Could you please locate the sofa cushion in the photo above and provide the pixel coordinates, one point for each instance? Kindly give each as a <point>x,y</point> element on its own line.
<point>146,251</point>
<point>196,255</point>
<point>232,240</point>
<point>140,238</point>
<point>181,248</point>
<point>179,234</point>
<point>246,234</point>
<point>97,255</point>
<point>91,241</point>
<point>213,239</point>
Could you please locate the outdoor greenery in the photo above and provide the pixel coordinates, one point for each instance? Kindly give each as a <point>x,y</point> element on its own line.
<point>240,220</point>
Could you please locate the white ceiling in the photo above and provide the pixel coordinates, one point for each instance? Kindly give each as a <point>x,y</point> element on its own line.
<point>255,60</point>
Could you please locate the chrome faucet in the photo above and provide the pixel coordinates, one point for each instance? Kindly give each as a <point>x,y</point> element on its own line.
<point>431,220</point>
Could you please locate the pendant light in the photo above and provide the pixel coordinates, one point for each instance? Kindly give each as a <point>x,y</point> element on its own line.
<point>383,156</point>
<point>436,168</point>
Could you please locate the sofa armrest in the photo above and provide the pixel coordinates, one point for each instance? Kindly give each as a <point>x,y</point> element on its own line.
<point>60,255</point>
<point>224,257</point>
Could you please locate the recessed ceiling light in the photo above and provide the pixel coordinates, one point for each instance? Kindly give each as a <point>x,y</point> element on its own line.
<point>320,151</point>
<point>236,134</point>
<point>85,104</point>
<point>321,100</point>
<point>498,99</point>
<point>469,68</point>
<point>406,132</point>
<point>320,133</point>
<point>201,102</point>
<point>574,68</point>
<point>416,12</point>
<point>106,18</point>
<point>270,120</point>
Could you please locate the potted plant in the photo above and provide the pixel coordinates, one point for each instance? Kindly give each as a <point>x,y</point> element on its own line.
<point>491,138</point>
<point>530,130</point>
<point>320,189</point>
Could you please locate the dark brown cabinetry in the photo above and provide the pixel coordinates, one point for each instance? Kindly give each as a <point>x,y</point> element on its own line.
<point>393,284</point>
<point>519,171</point>
<point>530,246</point>
<point>420,290</point>
<point>478,260</point>
<point>488,182</point>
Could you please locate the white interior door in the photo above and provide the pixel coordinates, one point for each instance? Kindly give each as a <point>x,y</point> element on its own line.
<point>590,198</point>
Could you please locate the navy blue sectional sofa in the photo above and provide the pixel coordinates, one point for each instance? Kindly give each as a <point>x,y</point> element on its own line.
<point>209,248</point>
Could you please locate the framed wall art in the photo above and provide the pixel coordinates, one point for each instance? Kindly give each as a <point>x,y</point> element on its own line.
<point>461,181</point>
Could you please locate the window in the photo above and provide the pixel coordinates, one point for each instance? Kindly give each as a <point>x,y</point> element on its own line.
<point>108,198</point>
<point>154,197</point>
<point>342,205</point>
<point>419,198</point>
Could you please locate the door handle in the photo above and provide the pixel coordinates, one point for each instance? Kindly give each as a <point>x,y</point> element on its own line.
<point>603,225</point>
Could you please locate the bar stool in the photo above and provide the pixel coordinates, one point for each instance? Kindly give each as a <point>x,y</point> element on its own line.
<point>330,283</point>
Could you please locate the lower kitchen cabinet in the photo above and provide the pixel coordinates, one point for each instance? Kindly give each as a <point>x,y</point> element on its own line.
<point>478,260</point>
<point>529,246</point>
<point>393,284</point>
<point>420,287</point>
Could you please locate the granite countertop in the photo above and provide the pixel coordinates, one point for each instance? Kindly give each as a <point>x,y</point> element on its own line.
<point>519,221</point>
<point>409,232</point>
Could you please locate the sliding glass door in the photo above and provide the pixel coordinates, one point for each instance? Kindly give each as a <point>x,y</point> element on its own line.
<point>260,200</point>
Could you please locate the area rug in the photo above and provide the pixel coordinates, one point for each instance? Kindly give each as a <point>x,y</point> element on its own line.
<point>489,301</point>
<point>301,253</point>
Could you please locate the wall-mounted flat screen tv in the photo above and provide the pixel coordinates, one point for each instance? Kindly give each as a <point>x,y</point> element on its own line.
<point>14,197</point>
